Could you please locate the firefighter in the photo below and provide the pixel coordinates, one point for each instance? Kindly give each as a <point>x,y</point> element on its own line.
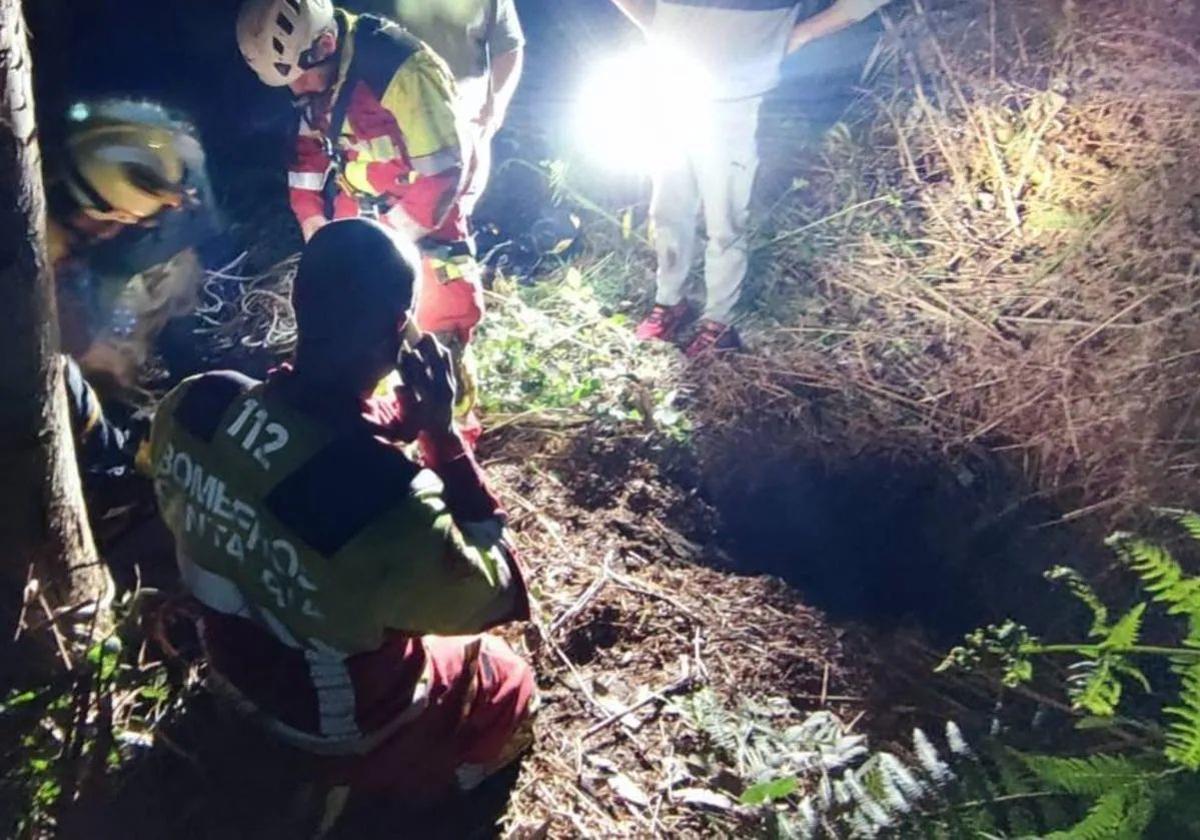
<point>379,136</point>
<point>740,44</point>
<point>324,560</point>
<point>129,213</point>
<point>130,223</point>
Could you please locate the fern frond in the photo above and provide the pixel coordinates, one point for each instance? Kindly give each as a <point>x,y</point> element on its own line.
<point>1158,570</point>
<point>1125,632</point>
<point>1094,687</point>
<point>902,779</point>
<point>1183,736</point>
<point>1164,579</point>
<point>1092,776</point>
<point>1125,668</point>
<point>927,755</point>
<point>1082,590</point>
<point>1116,814</point>
<point>1188,520</point>
<point>957,743</point>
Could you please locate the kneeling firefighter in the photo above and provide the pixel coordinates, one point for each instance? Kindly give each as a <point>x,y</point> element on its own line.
<point>342,585</point>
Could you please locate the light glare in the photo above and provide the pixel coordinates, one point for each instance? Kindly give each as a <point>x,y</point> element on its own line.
<point>643,110</point>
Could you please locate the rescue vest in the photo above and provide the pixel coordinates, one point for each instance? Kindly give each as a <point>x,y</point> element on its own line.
<point>322,554</point>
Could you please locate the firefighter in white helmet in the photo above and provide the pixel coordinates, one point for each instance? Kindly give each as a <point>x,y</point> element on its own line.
<point>380,136</point>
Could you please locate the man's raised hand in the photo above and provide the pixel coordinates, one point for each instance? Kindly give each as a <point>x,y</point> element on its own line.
<point>429,388</point>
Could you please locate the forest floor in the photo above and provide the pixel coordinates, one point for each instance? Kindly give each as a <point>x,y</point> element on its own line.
<point>970,357</point>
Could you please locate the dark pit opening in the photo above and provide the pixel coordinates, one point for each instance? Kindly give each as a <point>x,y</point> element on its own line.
<point>946,546</point>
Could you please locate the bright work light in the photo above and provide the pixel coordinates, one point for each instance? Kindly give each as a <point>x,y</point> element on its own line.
<point>643,109</point>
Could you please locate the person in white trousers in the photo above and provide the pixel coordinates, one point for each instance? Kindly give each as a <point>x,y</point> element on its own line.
<point>740,44</point>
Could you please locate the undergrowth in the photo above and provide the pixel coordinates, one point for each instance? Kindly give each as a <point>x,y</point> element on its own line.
<point>66,739</point>
<point>1131,770</point>
<point>557,354</point>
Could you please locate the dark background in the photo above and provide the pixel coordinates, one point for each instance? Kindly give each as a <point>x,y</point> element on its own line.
<point>183,54</point>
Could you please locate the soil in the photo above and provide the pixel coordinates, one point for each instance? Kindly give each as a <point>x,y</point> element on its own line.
<point>634,595</point>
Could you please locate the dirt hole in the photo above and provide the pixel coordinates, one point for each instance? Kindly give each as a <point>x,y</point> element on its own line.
<point>946,546</point>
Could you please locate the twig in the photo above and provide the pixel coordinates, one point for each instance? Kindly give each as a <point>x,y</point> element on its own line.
<point>982,128</point>
<point>682,684</point>
<point>583,600</point>
<point>634,586</point>
<point>789,234</point>
<point>58,636</point>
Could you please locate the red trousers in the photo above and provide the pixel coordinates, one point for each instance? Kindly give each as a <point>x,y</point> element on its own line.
<point>450,300</point>
<point>479,719</point>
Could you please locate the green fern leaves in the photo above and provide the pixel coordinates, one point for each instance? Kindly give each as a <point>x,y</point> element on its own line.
<point>1183,735</point>
<point>1092,776</point>
<point>1163,577</point>
<point>1082,590</point>
<point>1120,814</point>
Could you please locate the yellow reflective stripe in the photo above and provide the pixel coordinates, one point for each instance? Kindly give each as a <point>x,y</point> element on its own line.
<point>95,415</point>
<point>447,270</point>
<point>355,173</point>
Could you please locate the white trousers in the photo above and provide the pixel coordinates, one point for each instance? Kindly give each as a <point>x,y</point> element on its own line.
<point>717,177</point>
<point>478,181</point>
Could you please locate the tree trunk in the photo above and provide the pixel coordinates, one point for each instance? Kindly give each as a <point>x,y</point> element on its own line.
<point>44,532</point>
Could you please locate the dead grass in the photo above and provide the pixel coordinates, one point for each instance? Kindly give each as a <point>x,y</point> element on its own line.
<point>997,247</point>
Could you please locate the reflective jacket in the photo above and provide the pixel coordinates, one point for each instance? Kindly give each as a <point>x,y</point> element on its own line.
<point>400,150</point>
<point>322,554</point>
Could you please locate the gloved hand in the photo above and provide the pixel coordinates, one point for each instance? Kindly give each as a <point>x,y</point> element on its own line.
<point>428,392</point>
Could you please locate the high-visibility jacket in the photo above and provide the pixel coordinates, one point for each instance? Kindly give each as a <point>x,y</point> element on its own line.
<point>323,555</point>
<point>401,150</point>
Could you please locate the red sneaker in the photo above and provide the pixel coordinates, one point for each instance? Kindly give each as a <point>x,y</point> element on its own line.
<point>713,335</point>
<point>663,322</point>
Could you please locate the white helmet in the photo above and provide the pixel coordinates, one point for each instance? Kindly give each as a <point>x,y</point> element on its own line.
<point>274,36</point>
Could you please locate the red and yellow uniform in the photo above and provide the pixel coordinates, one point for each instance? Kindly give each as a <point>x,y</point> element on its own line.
<point>398,148</point>
<point>387,141</point>
<point>325,560</point>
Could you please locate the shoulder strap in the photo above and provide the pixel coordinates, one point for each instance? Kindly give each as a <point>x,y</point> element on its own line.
<point>379,46</point>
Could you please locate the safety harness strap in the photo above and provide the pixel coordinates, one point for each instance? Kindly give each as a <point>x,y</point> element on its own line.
<point>380,48</point>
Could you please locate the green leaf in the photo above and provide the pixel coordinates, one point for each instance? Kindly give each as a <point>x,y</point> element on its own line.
<point>1101,690</point>
<point>1018,672</point>
<point>1163,578</point>
<point>1183,736</point>
<point>105,656</point>
<point>770,791</point>
<point>1128,669</point>
<point>1125,632</point>
<point>17,700</point>
<point>1120,814</point>
<point>154,692</point>
<point>1084,592</point>
<point>1092,776</point>
<point>1094,722</point>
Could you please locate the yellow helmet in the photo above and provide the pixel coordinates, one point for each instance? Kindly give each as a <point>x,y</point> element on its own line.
<point>124,170</point>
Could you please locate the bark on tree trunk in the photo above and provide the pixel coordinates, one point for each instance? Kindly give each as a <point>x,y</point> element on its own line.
<point>44,532</point>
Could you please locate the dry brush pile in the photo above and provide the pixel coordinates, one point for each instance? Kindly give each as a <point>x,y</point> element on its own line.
<point>998,247</point>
